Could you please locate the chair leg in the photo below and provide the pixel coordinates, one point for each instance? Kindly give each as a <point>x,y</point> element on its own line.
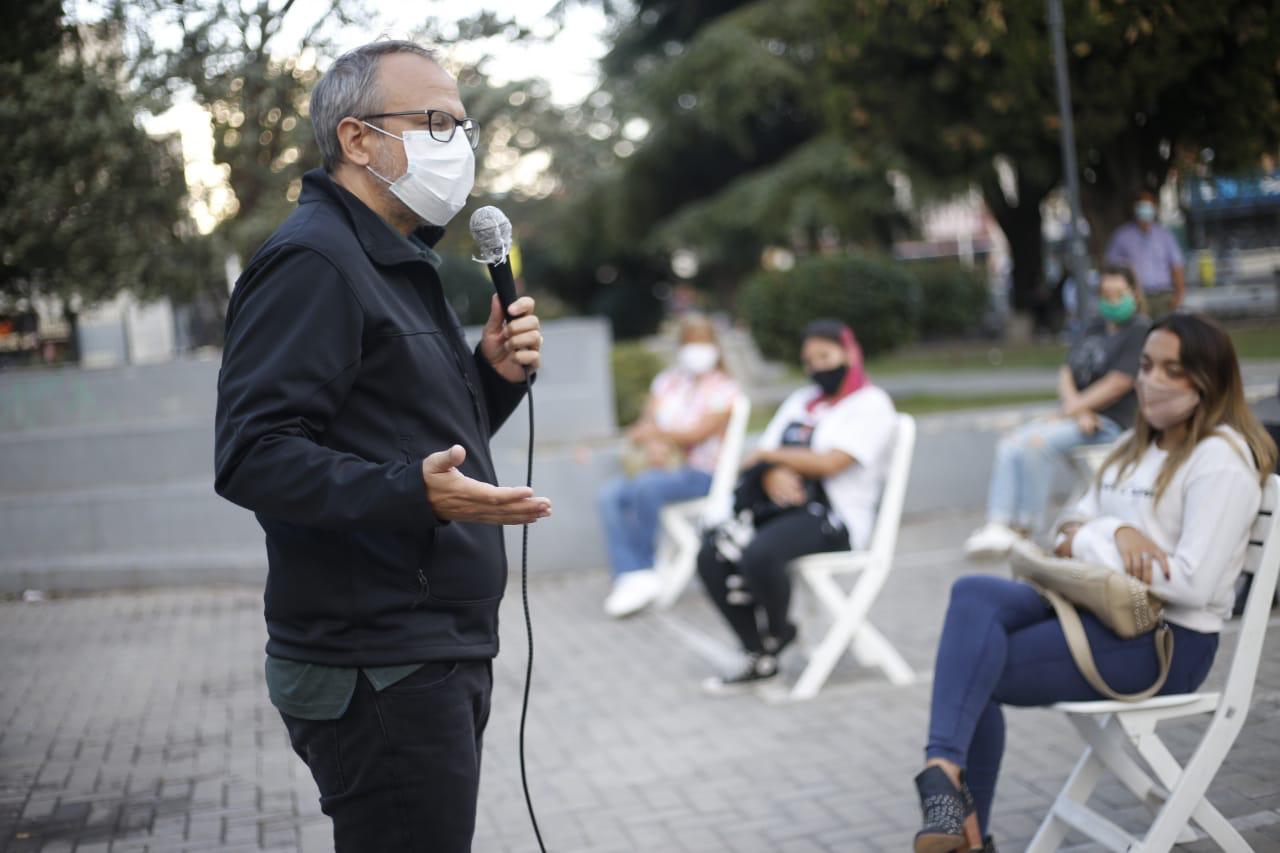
<point>677,560</point>
<point>827,654</point>
<point>1109,744</point>
<point>1077,790</point>
<point>1186,800</point>
<point>872,649</point>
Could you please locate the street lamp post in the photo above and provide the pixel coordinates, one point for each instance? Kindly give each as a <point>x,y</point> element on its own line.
<point>1077,256</point>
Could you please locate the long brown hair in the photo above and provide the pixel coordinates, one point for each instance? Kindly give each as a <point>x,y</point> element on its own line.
<point>1209,359</point>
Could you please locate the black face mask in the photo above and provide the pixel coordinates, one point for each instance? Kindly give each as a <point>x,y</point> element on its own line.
<point>830,380</point>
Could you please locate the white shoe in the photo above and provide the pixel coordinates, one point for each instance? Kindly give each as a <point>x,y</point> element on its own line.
<point>632,592</point>
<point>990,542</point>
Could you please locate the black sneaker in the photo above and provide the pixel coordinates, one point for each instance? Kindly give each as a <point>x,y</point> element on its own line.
<point>759,669</point>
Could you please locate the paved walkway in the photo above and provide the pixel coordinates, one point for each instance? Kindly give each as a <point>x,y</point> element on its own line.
<point>132,722</point>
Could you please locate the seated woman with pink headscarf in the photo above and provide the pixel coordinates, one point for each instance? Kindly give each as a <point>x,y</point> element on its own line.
<point>811,486</point>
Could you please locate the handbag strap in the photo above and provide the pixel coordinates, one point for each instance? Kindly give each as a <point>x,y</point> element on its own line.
<point>1078,645</point>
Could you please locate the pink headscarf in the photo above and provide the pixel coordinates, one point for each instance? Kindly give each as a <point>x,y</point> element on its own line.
<point>854,379</point>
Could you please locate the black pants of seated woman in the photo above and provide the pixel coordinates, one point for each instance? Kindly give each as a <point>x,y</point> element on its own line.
<point>764,568</point>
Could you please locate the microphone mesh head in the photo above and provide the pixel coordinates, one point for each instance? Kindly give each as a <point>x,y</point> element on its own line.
<point>492,232</point>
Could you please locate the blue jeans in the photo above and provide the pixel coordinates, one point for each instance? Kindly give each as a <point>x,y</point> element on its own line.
<point>1022,472</point>
<point>630,507</point>
<point>1002,645</point>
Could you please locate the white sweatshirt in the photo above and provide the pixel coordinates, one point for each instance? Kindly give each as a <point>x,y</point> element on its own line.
<point>1202,523</point>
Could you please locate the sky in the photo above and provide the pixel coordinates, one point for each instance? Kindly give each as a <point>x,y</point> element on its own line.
<point>567,60</point>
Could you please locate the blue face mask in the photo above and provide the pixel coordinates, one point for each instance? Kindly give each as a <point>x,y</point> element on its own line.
<point>1145,211</point>
<point>1119,311</point>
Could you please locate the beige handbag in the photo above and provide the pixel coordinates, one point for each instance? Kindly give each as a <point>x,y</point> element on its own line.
<point>1121,602</point>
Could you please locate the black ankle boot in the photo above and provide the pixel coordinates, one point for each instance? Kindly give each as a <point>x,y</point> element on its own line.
<point>944,809</point>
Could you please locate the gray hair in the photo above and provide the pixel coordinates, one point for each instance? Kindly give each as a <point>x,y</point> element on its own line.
<point>350,88</point>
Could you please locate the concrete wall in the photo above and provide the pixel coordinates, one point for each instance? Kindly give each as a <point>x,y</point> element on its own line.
<point>106,475</point>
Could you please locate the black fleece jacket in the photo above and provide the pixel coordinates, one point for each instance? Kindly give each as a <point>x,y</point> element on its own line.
<point>343,367</point>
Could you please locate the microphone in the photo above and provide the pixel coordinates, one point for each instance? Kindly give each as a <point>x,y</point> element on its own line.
<point>492,232</point>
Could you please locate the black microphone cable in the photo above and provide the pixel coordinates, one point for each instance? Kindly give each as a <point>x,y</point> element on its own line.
<point>528,621</point>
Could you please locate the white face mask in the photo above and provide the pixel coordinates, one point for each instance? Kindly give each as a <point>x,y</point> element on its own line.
<point>698,358</point>
<point>439,177</point>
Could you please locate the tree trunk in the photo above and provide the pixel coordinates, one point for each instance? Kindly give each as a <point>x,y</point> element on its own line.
<point>1021,223</point>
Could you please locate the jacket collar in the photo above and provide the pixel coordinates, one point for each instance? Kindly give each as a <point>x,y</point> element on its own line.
<point>384,244</point>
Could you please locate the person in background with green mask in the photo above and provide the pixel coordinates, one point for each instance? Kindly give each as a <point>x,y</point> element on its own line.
<point>1097,403</point>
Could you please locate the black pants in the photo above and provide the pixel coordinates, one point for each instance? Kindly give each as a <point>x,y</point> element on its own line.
<point>400,770</point>
<point>764,569</point>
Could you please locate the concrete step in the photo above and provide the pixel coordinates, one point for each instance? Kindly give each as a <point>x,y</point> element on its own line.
<point>47,398</point>
<point>122,535</point>
<point>91,457</point>
<point>180,516</point>
<point>134,570</point>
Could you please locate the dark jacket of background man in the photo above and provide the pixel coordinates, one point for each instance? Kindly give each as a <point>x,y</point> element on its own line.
<point>343,368</point>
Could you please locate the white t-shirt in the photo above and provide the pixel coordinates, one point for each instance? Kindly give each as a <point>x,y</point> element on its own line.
<point>681,400</point>
<point>1202,523</point>
<point>862,425</point>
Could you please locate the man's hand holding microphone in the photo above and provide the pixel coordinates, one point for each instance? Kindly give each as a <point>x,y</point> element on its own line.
<point>511,348</point>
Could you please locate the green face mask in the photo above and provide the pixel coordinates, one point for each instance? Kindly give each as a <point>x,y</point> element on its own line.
<point>1118,312</point>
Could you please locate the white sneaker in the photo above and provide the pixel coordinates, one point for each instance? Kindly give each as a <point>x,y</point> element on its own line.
<point>991,541</point>
<point>632,592</point>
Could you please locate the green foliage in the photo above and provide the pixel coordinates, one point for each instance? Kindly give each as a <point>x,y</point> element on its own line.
<point>953,298</point>
<point>878,298</point>
<point>233,58</point>
<point>92,204</point>
<point>634,368</point>
<point>714,140</point>
<point>956,85</point>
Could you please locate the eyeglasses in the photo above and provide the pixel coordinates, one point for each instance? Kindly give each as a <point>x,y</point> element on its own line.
<point>440,124</point>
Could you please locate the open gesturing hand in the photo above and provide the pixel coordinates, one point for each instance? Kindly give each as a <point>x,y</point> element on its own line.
<point>456,497</point>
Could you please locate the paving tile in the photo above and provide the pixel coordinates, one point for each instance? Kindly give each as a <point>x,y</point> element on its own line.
<point>112,740</point>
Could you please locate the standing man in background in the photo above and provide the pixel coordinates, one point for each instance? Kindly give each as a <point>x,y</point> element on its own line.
<point>1146,247</point>
<point>354,420</point>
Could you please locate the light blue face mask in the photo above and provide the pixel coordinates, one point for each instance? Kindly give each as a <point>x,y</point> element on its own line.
<point>1145,211</point>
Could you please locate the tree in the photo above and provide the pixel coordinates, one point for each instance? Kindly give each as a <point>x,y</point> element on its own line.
<point>238,61</point>
<point>92,204</point>
<point>721,147</point>
<point>962,86</point>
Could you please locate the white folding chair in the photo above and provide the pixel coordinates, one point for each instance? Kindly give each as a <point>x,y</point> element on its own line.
<point>681,523</point>
<point>850,627</point>
<point>1177,794</point>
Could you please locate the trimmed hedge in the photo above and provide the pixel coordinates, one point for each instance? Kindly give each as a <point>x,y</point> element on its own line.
<point>878,298</point>
<point>953,298</point>
<point>634,368</point>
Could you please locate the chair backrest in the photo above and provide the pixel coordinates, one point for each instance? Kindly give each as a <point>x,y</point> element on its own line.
<point>719,501</point>
<point>1262,560</point>
<point>884,536</point>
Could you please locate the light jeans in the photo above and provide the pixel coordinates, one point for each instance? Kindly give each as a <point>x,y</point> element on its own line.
<point>1022,472</point>
<point>629,509</point>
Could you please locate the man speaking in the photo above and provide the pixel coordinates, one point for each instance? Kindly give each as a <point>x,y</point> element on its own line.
<point>355,422</point>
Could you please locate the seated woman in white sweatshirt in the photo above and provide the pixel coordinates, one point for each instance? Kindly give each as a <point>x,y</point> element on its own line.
<point>1172,505</point>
